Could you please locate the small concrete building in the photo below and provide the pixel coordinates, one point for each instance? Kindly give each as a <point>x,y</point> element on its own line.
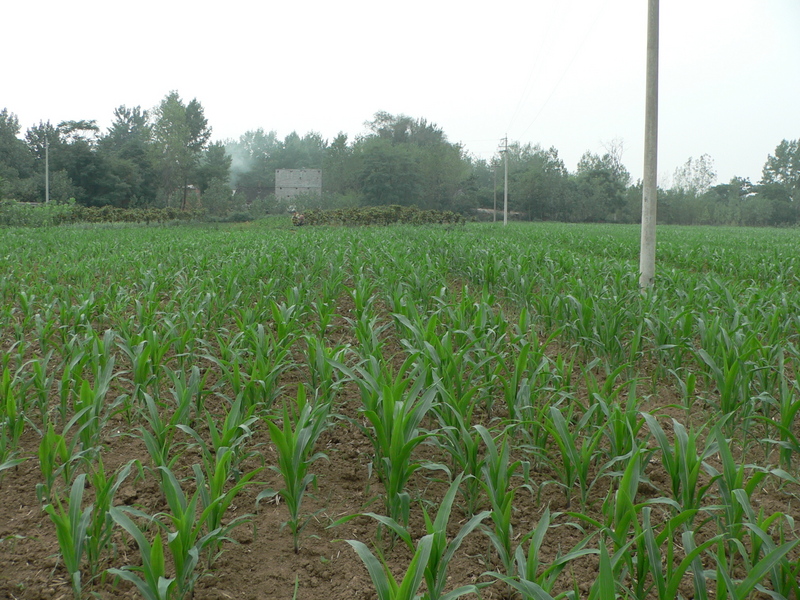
<point>293,182</point>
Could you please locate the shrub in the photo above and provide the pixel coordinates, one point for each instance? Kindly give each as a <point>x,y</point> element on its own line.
<point>382,215</point>
<point>238,217</point>
<point>28,214</point>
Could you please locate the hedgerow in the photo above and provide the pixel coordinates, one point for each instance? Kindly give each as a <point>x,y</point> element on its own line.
<point>382,215</point>
<point>26,214</point>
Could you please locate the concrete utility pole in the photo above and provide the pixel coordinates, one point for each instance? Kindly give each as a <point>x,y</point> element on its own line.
<point>504,152</point>
<point>46,170</point>
<point>494,213</point>
<point>647,254</point>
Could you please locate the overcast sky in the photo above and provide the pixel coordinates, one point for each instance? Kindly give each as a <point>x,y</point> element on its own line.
<point>563,73</point>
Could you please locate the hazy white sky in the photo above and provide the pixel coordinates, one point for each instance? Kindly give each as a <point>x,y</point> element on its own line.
<point>563,73</point>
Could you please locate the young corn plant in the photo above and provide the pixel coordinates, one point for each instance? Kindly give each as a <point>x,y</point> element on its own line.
<point>535,580</point>
<point>144,359</point>
<point>215,499</point>
<point>53,458</point>
<point>101,526</point>
<point>268,356</point>
<point>529,568</point>
<point>728,587</point>
<point>782,573</point>
<point>187,392</point>
<point>72,368</point>
<point>386,586</point>
<point>728,356</point>
<point>621,428</point>
<point>729,481</point>
<point>57,457</point>
<point>12,413</point>
<point>668,573</point>
<point>287,318</point>
<point>578,451</point>
<point>324,380</point>
<point>442,551</point>
<point>186,526</point>
<point>233,433</point>
<point>395,432</point>
<point>394,410</point>
<point>72,526</point>
<point>91,409</point>
<point>294,442</point>
<point>369,331</point>
<point>682,462</point>
<point>159,437</point>
<point>687,384</point>
<point>42,382</point>
<point>528,377</point>
<point>612,388</point>
<point>325,311</point>
<point>783,417</point>
<point>8,455</point>
<point>153,584</point>
<point>442,360</point>
<point>636,544</point>
<point>497,472</point>
<point>608,579</point>
<point>463,444</point>
<point>12,424</point>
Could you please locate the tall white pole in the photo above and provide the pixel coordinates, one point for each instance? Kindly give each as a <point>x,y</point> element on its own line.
<point>494,212</point>
<point>647,255</point>
<point>505,186</point>
<point>46,171</point>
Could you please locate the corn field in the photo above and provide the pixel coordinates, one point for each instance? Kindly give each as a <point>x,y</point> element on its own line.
<point>400,412</point>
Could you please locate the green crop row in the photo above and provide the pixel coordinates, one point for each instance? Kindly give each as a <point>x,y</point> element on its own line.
<point>519,369</point>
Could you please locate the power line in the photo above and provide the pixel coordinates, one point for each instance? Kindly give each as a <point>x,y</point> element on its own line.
<point>526,90</point>
<point>567,68</point>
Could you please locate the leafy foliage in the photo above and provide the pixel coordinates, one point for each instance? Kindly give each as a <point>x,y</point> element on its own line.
<point>390,215</point>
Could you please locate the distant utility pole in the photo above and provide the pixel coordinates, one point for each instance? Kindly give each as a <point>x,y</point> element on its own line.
<point>46,170</point>
<point>494,213</point>
<point>647,254</point>
<point>504,152</point>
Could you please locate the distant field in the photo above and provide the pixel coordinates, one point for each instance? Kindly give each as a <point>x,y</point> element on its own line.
<point>167,392</point>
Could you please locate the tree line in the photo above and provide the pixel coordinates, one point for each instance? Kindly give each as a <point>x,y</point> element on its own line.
<point>164,158</point>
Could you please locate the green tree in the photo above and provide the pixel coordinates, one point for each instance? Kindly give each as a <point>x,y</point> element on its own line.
<point>783,169</point>
<point>782,210</point>
<point>389,174</point>
<point>35,138</point>
<point>478,189</point>
<point>215,164</point>
<point>401,129</point>
<point>76,169</point>
<point>538,182</point>
<point>91,175</point>
<point>16,160</point>
<point>338,166</point>
<point>129,132</point>
<point>695,176</point>
<point>128,147</point>
<point>601,182</point>
<point>181,133</point>
<point>217,198</point>
<point>726,201</point>
<point>14,154</point>
<point>253,160</point>
<point>300,152</point>
<point>410,161</point>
